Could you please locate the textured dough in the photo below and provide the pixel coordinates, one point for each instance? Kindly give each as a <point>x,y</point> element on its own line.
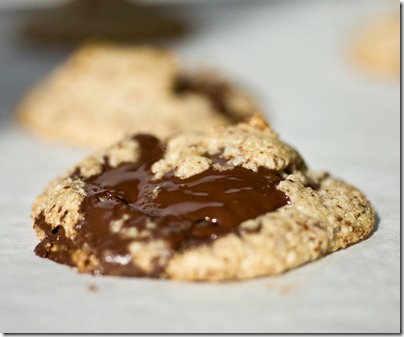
<point>325,214</point>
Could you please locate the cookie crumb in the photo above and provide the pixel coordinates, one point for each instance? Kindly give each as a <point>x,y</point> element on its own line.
<point>92,288</point>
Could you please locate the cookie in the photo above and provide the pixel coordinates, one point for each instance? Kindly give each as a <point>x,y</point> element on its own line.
<point>118,20</point>
<point>377,46</point>
<point>105,91</point>
<point>228,204</point>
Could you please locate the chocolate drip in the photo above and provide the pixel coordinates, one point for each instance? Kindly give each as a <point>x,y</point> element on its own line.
<point>56,245</point>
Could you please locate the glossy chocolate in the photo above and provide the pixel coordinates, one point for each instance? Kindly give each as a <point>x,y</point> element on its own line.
<point>56,237</point>
<point>185,213</point>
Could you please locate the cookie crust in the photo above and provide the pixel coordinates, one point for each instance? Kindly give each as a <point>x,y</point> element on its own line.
<point>325,214</point>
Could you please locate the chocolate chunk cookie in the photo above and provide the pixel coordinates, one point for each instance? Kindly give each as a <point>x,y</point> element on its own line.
<point>227,204</point>
<point>104,91</point>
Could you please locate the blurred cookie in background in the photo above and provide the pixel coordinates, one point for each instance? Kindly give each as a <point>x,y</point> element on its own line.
<point>104,91</point>
<point>377,45</point>
<point>117,20</point>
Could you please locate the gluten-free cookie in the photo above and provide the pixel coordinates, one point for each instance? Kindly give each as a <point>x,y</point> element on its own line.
<point>228,204</point>
<point>105,91</point>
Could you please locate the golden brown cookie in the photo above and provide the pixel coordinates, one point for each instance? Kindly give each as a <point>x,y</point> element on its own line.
<point>104,91</point>
<point>228,204</point>
<point>377,46</point>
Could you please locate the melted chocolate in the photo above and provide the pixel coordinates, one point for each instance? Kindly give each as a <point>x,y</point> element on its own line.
<point>185,212</point>
<point>55,246</point>
<point>216,92</point>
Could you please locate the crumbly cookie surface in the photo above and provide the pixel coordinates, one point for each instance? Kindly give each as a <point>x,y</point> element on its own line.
<point>308,214</point>
<point>104,91</point>
<point>377,45</point>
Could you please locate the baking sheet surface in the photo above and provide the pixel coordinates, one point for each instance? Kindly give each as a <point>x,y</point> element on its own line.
<point>293,56</point>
